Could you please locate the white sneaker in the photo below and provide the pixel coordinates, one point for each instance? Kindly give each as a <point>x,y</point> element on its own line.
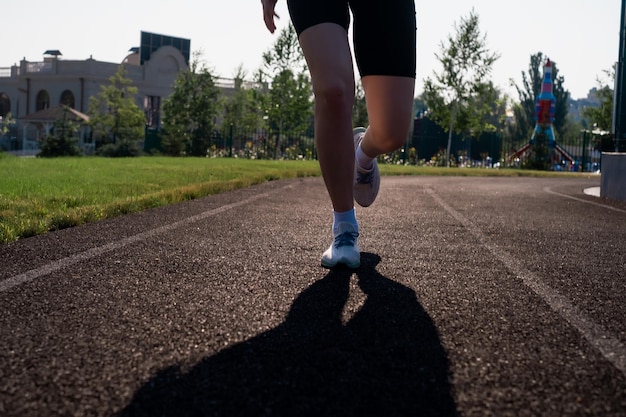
<point>366,182</point>
<point>344,249</point>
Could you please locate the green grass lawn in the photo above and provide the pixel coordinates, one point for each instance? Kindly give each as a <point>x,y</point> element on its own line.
<point>39,195</point>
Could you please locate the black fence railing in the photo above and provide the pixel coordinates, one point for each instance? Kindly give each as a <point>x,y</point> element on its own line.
<point>579,153</point>
<point>426,146</point>
<point>262,144</point>
<point>253,144</point>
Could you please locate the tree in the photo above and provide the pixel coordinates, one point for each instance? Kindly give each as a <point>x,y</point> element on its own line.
<point>496,112</point>
<point>63,140</point>
<point>5,122</point>
<point>116,119</point>
<point>243,112</point>
<point>191,110</point>
<point>457,96</point>
<point>284,54</point>
<point>359,110</point>
<point>601,118</point>
<point>290,104</point>
<point>289,107</point>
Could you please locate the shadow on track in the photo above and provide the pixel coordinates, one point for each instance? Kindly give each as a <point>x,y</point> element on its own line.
<point>386,361</point>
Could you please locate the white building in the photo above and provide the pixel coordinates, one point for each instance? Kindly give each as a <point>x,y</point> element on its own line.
<point>32,87</point>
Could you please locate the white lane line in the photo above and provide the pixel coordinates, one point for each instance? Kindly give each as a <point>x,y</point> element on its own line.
<point>610,347</point>
<point>97,251</point>
<point>550,191</point>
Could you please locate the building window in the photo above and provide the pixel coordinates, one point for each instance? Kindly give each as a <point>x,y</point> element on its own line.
<point>5,105</point>
<point>67,99</point>
<point>43,100</point>
<point>152,109</point>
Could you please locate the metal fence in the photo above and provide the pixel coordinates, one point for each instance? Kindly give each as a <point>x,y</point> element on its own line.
<point>271,144</point>
<point>581,153</point>
<point>425,146</point>
<point>578,154</point>
<point>252,144</point>
<point>262,144</point>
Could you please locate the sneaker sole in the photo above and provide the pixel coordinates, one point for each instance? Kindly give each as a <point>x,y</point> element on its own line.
<point>358,130</point>
<point>355,132</point>
<point>370,200</point>
<point>328,265</point>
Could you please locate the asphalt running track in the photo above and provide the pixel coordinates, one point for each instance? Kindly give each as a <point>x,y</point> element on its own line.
<point>476,297</point>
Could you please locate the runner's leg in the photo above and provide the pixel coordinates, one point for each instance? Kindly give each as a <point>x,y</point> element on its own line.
<point>328,56</point>
<point>390,109</point>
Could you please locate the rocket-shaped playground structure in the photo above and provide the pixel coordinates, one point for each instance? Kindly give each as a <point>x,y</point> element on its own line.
<point>545,110</point>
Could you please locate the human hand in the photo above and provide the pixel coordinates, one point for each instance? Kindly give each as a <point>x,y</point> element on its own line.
<point>269,14</point>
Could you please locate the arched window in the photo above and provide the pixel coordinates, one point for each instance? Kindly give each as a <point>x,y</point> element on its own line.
<point>5,105</point>
<point>43,100</point>
<point>67,98</point>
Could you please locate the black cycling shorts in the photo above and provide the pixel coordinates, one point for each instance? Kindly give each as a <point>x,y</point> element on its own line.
<point>384,31</point>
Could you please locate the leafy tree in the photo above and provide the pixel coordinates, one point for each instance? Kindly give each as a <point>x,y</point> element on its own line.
<point>290,103</point>
<point>63,140</point>
<point>457,97</point>
<point>562,96</point>
<point>496,112</point>
<point>289,107</point>
<point>601,118</point>
<point>191,111</point>
<point>5,122</point>
<point>115,117</point>
<point>244,110</point>
<point>284,54</point>
<point>359,110</point>
<point>524,111</point>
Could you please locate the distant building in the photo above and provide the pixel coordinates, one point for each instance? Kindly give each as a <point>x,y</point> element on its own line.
<point>29,90</point>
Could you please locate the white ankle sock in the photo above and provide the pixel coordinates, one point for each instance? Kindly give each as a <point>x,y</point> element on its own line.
<point>344,216</point>
<point>362,159</point>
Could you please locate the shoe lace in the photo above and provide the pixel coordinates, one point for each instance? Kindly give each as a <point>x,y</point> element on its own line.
<point>346,239</point>
<point>365,178</point>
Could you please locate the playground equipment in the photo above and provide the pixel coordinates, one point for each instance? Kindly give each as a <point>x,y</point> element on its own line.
<point>545,109</point>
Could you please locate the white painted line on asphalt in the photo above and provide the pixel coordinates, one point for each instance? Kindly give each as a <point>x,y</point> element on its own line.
<point>609,346</point>
<point>550,191</point>
<point>92,253</point>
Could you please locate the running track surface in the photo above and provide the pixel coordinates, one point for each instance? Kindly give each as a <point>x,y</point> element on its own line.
<point>476,297</point>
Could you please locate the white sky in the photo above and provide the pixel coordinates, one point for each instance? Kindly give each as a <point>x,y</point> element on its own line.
<point>581,36</point>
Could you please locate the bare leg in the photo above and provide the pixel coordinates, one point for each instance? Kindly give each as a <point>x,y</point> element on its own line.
<point>328,56</point>
<point>390,110</point>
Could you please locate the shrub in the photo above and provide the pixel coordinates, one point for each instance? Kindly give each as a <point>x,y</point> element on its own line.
<point>120,149</point>
<point>62,141</point>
